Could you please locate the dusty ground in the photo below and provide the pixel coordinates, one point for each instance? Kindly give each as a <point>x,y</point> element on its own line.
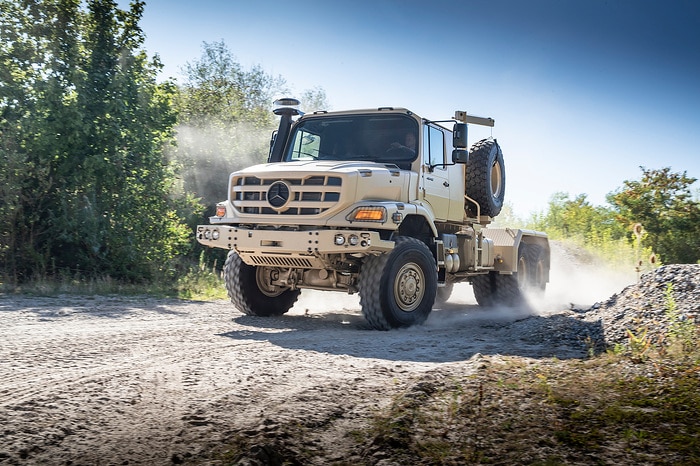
<point>115,380</point>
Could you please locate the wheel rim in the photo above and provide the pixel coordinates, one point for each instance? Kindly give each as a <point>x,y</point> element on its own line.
<point>496,179</point>
<point>409,287</point>
<point>263,277</point>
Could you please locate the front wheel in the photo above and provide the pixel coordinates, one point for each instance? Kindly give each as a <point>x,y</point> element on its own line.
<point>398,289</point>
<point>251,289</point>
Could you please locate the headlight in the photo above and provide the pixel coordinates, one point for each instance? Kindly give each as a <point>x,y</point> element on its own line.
<point>353,240</point>
<point>215,234</point>
<point>339,240</point>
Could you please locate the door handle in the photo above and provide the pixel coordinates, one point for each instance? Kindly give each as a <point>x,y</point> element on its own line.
<point>446,184</point>
<point>429,178</point>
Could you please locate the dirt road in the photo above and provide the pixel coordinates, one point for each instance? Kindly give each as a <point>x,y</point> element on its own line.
<point>114,380</point>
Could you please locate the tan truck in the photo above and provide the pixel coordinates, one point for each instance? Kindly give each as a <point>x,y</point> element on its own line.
<point>379,202</point>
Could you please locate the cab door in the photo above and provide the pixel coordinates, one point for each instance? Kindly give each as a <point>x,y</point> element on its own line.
<point>436,183</point>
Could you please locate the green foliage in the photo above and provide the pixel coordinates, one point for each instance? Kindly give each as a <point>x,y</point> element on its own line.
<point>682,331</point>
<point>639,344</point>
<point>663,203</point>
<point>83,122</point>
<point>314,100</point>
<point>577,218</point>
<point>595,228</point>
<point>202,282</point>
<point>217,89</point>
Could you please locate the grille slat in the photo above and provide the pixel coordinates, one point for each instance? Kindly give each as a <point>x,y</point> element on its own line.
<point>311,195</point>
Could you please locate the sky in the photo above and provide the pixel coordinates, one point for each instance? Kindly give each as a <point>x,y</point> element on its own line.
<point>583,92</point>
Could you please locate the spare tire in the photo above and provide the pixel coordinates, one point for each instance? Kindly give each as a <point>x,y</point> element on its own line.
<point>486,177</point>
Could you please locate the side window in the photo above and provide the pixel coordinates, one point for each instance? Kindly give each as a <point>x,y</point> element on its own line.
<point>305,146</point>
<point>434,146</point>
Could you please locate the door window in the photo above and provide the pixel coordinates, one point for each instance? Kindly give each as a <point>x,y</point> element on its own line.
<point>434,147</point>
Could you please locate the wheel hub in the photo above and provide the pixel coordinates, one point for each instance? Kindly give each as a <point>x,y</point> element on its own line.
<point>496,176</point>
<point>408,287</point>
<point>264,276</point>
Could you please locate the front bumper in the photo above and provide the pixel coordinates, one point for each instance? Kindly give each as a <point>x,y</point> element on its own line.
<point>304,249</point>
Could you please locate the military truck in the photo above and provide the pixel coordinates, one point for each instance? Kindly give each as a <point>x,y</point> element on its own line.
<point>379,202</point>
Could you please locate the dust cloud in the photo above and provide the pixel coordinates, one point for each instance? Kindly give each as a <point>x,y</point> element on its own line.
<point>209,152</point>
<point>578,280</point>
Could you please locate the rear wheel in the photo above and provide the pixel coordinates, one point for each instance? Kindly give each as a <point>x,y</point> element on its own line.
<point>251,289</point>
<point>444,293</point>
<point>537,267</point>
<point>495,289</point>
<point>398,289</point>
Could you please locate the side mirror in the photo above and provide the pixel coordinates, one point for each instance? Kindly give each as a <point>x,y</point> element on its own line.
<point>459,136</point>
<point>460,156</point>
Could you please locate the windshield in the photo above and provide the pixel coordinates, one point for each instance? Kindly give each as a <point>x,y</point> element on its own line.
<point>375,138</point>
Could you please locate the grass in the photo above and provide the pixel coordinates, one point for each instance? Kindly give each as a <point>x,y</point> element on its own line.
<point>198,283</point>
<point>201,283</point>
<point>605,410</point>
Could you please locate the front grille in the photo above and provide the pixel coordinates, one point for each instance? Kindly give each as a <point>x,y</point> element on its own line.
<point>311,195</point>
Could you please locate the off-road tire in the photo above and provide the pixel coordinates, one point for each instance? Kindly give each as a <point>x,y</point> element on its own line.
<point>483,288</point>
<point>397,289</point>
<point>243,284</point>
<point>486,177</point>
<point>535,257</point>
<point>444,292</point>
<point>494,289</point>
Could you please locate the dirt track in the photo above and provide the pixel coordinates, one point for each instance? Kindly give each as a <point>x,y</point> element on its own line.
<point>114,380</point>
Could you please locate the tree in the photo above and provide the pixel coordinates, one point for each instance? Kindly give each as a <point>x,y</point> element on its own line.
<point>82,112</point>
<point>663,203</point>
<point>578,218</point>
<point>218,90</point>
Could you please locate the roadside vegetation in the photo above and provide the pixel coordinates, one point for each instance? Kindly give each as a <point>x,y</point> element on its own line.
<point>611,409</point>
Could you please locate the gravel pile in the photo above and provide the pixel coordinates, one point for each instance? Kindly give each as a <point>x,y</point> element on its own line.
<point>645,305</point>
<point>637,307</point>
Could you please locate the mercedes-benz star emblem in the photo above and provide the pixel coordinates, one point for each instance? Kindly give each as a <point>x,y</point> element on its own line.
<point>278,194</point>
